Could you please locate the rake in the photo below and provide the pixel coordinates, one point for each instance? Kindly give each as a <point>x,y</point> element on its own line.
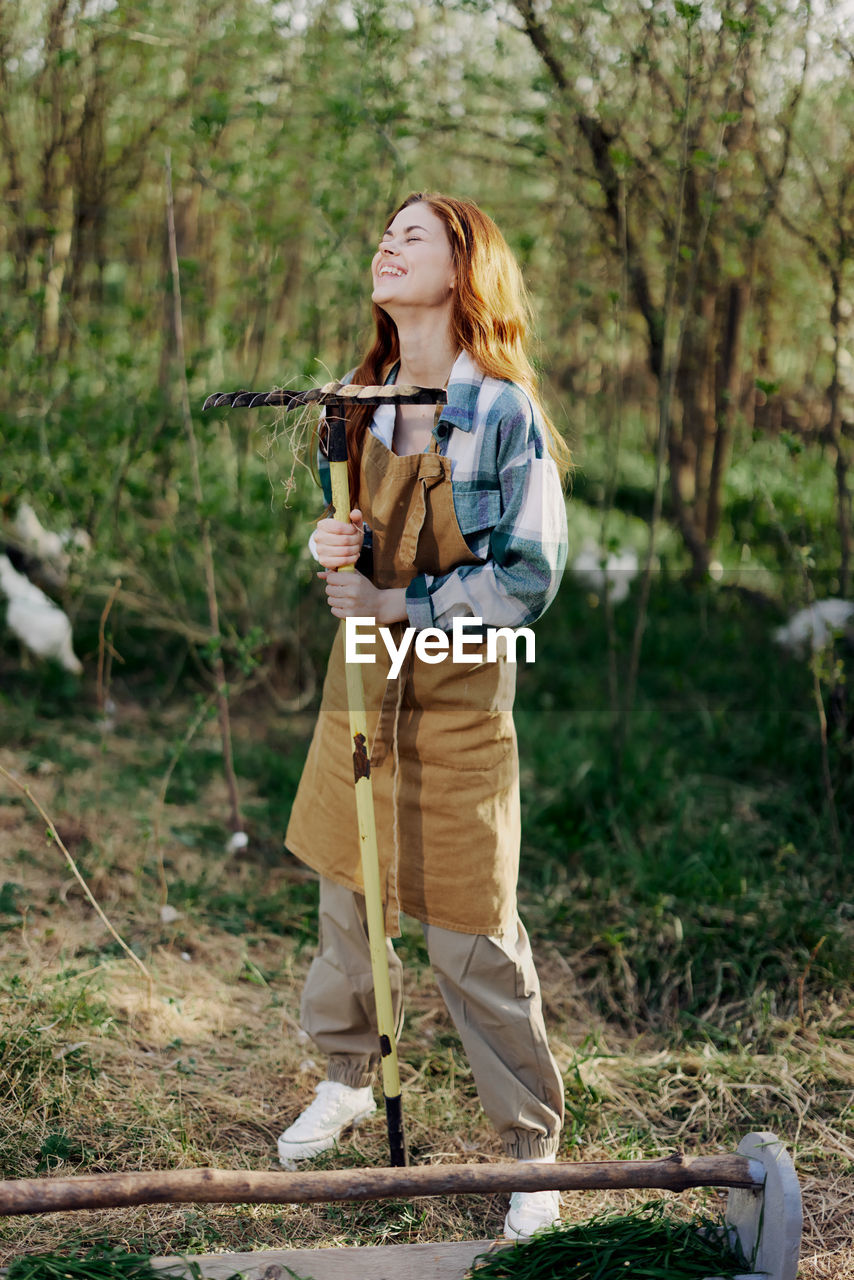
<point>335,397</point>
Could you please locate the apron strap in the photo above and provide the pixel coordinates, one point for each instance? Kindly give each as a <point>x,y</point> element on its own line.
<point>430,474</point>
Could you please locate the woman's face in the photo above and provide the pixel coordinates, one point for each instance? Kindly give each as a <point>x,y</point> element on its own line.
<point>413,266</point>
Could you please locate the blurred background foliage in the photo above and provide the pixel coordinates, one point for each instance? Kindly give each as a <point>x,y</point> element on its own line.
<point>676,179</point>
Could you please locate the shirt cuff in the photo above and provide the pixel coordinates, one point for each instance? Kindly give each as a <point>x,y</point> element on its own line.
<point>419,608</point>
<point>312,545</point>
<point>422,607</point>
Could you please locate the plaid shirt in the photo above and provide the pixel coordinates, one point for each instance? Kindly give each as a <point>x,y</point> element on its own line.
<point>508,502</point>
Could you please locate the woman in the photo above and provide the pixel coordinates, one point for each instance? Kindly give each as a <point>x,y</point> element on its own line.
<point>460,515</point>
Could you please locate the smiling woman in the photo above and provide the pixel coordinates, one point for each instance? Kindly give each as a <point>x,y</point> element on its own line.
<point>413,266</point>
<point>460,517</point>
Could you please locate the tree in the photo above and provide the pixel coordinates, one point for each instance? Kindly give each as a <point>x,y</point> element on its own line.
<point>824,157</point>
<point>688,135</point>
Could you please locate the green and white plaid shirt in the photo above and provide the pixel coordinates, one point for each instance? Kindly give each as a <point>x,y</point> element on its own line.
<point>508,502</point>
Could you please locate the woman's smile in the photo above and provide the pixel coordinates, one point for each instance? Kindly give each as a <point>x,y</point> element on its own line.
<point>415,245</point>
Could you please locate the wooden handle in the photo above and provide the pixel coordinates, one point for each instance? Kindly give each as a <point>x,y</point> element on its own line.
<point>233,1186</point>
<point>337,450</point>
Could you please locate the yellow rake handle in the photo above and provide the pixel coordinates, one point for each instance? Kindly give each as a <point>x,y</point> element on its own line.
<point>371,865</point>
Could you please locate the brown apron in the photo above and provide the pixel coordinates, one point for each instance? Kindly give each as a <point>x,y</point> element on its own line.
<point>444,763</point>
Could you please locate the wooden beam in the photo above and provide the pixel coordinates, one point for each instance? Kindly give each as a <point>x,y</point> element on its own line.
<point>373,1262</point>
<point>235,1186</point>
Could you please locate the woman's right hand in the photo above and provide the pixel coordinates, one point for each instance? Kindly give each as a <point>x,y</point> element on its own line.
<point>337,543</point>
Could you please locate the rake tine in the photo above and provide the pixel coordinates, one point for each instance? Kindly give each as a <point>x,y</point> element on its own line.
<point>330,394</point>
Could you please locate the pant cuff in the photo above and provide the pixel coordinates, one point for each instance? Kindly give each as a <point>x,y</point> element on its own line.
<point>531,1146</point>
<point>357,1074</point>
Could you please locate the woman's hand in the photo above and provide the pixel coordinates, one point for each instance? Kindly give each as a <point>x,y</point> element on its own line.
<point>351,595</point>
<point>338,543</point>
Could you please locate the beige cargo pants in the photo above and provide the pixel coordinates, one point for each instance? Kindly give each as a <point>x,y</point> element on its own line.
<point>492,992</point>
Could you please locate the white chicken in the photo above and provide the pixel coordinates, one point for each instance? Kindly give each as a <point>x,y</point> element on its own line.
<point>40,625</point>
<point>815,626</point>
<point>592,567</point>
<point>34,536</point>
<point>52,550</point>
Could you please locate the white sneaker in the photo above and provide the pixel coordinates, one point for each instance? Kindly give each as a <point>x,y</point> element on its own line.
<point>324,1120</point>
<point>531,1211</point>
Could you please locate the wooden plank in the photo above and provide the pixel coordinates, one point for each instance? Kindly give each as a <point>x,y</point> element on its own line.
<point>371,1262</point>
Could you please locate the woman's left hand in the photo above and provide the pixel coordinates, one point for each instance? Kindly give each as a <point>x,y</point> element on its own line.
<point>352,595</point>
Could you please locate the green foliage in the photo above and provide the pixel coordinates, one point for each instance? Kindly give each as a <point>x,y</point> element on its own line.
<point>9,893</point>
<point>286,161</point>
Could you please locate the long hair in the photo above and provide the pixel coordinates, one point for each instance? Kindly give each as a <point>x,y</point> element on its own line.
<point>489,320</point>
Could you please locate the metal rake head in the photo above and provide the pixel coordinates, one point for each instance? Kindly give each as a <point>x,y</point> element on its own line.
<point>333,393</point>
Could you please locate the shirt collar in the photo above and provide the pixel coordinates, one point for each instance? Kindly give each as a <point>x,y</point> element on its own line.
<point>464,386</point>
<point>463,389</point>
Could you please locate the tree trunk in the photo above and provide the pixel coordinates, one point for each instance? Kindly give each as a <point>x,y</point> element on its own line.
<point>59,257</point>
<point>728,393</point>
<point>836,436</point>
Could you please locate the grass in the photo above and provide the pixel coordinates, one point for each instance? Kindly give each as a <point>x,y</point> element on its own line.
<point>98,1263</point>
<point>648,1241</point>
<point>704,873</point>
<point>690,916</point>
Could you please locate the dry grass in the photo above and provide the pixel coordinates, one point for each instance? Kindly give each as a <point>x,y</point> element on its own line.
<point>100,1074</point>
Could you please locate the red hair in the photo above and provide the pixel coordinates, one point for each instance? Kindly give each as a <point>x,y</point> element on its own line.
<point>489,319</point>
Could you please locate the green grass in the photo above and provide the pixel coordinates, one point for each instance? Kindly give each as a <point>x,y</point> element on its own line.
<point>646,1244</point>
<point>700,869</point>
<point>100,1262</point>
<point>288,910</point>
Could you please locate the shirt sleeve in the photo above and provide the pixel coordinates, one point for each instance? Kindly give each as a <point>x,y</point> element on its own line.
<point>527,548</point>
